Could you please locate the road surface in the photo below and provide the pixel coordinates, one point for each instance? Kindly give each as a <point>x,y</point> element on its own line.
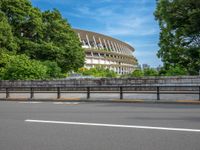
<point>98,126</point>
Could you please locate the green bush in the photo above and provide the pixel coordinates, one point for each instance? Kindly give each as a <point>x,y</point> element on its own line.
<point>20,67</point>
<point>150,72</point>
<point>176,71</point>
<point>97,72</point>
<point>137,73</point>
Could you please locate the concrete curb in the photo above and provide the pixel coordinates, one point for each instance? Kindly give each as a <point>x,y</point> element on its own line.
<point>195,102</point>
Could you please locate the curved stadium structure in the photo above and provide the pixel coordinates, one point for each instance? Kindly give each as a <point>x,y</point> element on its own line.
<point>102,50</point>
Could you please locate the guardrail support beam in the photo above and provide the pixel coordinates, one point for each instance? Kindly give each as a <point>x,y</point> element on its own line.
<point>7,93</point>
<point>158,92</point>
<point>58,93</point>
<point>199,93</point>
<point>31,93</point>
<point>88,92</point>
<point>121,92</point>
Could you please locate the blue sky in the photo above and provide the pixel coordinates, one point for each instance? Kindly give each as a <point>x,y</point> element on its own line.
<point>131,21</point>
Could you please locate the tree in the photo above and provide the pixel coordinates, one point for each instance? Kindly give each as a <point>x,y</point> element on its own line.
<point>176,71</point>
<point>20,67</point>
<point>150,72</point>
<point>7,42</point>
<point>137,73</point>
<point>43,35</point>
<point>180,34</point>
<point>53,70</point>
<point>97,72</point>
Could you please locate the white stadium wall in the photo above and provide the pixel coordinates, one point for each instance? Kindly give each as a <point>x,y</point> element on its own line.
<point>107,52</point>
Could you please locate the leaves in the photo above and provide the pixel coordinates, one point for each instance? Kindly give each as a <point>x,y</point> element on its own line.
<point>42,36</point>
<point>20,67</point>
<point>179,22</point>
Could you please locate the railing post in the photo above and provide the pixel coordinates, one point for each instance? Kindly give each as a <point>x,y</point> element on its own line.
<point>31,93</point>
<point>88,92</point>
<point>58,93</point>
<point>121,92</point>
<point>158,92</point>
<point>199,93</point>
<point>7,93</point>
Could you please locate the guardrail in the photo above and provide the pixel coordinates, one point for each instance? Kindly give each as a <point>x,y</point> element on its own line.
<point>121,89</point>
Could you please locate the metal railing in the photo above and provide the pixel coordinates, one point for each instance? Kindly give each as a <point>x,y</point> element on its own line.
<point>121,89</point>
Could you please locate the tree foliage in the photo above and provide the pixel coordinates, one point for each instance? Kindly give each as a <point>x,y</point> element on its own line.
<point>137,73</point>
<point>97,72</point>
<point>43,36</point>
<point>179,22</point>
<point>6,37</point>
<point>20,67</point>
<point>150,72</point>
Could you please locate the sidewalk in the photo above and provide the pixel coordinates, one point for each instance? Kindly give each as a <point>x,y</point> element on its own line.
<point>106,100</point>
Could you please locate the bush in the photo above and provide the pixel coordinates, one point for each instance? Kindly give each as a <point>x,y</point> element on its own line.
<point>176,71</point>
<point>20,67</point>
<point>150,72</point>
<point>97,72</point>
<point>137,73</point>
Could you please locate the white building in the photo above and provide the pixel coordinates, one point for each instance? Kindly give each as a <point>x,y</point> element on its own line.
<point>106,51</point>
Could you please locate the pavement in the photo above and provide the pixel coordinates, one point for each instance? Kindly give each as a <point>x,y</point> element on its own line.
<point>98,126</point>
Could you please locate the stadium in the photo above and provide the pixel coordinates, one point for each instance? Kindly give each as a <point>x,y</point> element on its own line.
<point>108,52</point>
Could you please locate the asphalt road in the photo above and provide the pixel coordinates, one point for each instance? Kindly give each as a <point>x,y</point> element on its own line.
<point>99,126</point>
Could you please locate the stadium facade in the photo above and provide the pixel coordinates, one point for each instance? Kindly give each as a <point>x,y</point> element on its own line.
<point>108,52</point>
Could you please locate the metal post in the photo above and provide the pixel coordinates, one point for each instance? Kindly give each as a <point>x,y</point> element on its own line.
<point>199,93</point>
<point>121,93</point>
<point>7,93</point>
<point>58,93</point>
<point>88,92</point>
<point>31,93</point>
<point>158,93</point>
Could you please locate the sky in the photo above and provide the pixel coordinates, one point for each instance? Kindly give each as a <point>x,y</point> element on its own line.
<point>130,21</point>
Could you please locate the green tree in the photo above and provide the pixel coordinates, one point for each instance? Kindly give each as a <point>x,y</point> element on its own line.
<point>150,72</point>
<point>180,34</point>
<point>20,67</point>
<point>53,70</point>
<point>176,71</point>
<point>97,72</point>
<point>7,42</point>
<point>43,35</point>
<point>137,73</point>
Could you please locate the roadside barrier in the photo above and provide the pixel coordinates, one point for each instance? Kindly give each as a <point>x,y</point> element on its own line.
<point>120,89</point>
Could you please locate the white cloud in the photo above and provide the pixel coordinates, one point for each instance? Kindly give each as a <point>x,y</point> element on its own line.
<point>118,21</point>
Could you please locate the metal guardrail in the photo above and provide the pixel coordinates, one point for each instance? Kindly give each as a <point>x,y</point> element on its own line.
<point>121,89</point>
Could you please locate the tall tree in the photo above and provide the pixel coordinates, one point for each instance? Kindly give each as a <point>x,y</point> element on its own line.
<point>43,35</point>
<point>179,22</point>
<point>7,42</point>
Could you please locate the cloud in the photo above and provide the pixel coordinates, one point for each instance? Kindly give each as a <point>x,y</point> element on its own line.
<point>120,21</point>
<point>127,20</point>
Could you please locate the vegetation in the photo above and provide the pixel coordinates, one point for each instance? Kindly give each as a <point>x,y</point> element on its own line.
<point>142,73</point>
<point>44,40</point>
<point>179,22</point>
<point>21,67</point>
<point>97,72</point>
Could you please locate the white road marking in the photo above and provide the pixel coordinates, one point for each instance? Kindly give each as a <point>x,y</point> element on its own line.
<point>68,103</point>
<point>29,102</point>
<point>113,125</point>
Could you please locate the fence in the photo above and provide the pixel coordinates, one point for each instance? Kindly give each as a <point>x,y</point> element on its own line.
<point>88,89</point>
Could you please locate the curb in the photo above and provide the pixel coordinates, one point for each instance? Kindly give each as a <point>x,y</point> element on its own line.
<point>105,101</point>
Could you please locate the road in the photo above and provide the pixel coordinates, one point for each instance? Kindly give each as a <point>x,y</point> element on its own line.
<point>98,126</point>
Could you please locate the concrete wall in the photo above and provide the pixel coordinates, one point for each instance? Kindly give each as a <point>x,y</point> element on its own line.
<point>183,80</point>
